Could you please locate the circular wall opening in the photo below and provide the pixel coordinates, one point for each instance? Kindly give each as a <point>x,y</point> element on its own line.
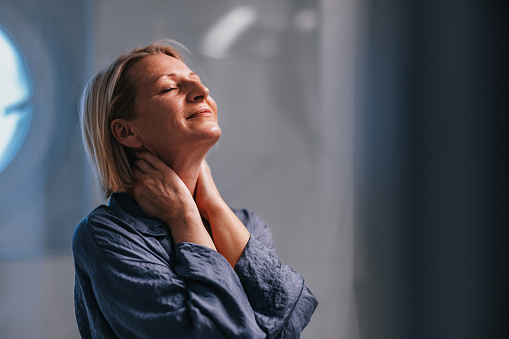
<point>15,99</point>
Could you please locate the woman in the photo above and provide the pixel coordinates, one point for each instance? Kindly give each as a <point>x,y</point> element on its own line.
<point>167,257</point>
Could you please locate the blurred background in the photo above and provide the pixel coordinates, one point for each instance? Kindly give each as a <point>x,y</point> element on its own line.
<point>368,134</point>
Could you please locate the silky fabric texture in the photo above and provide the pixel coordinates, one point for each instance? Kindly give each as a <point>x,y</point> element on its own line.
<point>131,281</point>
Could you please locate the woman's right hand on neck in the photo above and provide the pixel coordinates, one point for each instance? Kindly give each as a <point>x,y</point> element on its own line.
<point>161,193</point>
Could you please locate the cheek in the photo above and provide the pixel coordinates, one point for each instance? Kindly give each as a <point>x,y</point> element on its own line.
<point>159,120</point>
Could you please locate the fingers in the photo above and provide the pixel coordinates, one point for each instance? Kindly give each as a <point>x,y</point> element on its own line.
<point>152,159</point>
<point>143,166</point>
<point>205,185</point>
<point>204,165</point>
<point>205,174</point>
<point>147,163</point>
<point>149,170</point>
<point>137,174</point>
<point>141,169</point>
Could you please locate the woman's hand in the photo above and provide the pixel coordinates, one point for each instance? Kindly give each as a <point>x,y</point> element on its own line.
<point>161,193</point>
<point>207,196</point>
<point>158,189</point>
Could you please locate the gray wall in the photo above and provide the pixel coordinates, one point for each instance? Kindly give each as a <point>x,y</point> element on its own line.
<point>285,89</point>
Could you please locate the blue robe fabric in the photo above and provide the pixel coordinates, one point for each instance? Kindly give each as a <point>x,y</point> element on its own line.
<point>131,281</point>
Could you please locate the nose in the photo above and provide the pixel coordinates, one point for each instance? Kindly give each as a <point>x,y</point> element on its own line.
<point>197,91</point>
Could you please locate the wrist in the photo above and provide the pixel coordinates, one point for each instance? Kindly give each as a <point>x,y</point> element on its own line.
<point>213,206</point>
<point>184,214</point>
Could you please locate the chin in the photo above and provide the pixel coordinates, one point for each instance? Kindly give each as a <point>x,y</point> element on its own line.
<point>213,131</point>
<point>217,132</point>
<point>207,137</point>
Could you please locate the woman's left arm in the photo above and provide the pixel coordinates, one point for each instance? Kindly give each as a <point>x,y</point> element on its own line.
<point>229,234</point>
<point>282,303</point>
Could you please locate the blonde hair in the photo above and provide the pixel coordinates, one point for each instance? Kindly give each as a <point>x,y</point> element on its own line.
<point>111,95</point>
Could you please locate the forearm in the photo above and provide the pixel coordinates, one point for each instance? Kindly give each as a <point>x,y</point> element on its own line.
<point>189,228</point>
<point>230,235</point>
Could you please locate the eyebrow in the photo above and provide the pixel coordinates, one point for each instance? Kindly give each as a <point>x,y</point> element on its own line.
<point>170,75</point>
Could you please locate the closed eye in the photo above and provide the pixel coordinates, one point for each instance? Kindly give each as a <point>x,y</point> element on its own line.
<point>168,90</point>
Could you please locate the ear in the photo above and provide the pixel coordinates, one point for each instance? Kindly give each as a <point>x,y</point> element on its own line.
<point>125,133</point>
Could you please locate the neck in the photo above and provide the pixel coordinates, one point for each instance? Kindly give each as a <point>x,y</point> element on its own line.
<point>189,174</point>
<point>187,168</point>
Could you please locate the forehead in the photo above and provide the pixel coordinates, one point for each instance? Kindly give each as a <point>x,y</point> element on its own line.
<point>150,68</point>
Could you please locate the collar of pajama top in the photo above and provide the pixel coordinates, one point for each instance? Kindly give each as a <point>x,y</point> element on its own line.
<point>127,209</point>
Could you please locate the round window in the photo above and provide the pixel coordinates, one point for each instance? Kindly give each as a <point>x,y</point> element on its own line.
<point>15,95</point>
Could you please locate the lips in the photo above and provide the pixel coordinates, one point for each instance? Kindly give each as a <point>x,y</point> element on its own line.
<point>202,112</point>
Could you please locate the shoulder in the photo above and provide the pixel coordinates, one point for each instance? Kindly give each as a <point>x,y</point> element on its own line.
<point>255,225</point>
<point>99,223</point>
<point>84,245</point>
<point>103,236</point>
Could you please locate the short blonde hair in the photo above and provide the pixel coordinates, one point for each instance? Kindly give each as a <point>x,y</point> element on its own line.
<point>108,96</point>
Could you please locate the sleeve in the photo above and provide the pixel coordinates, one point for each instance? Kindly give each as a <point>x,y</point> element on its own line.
<point>204,299</point>
<point>281,302</point>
